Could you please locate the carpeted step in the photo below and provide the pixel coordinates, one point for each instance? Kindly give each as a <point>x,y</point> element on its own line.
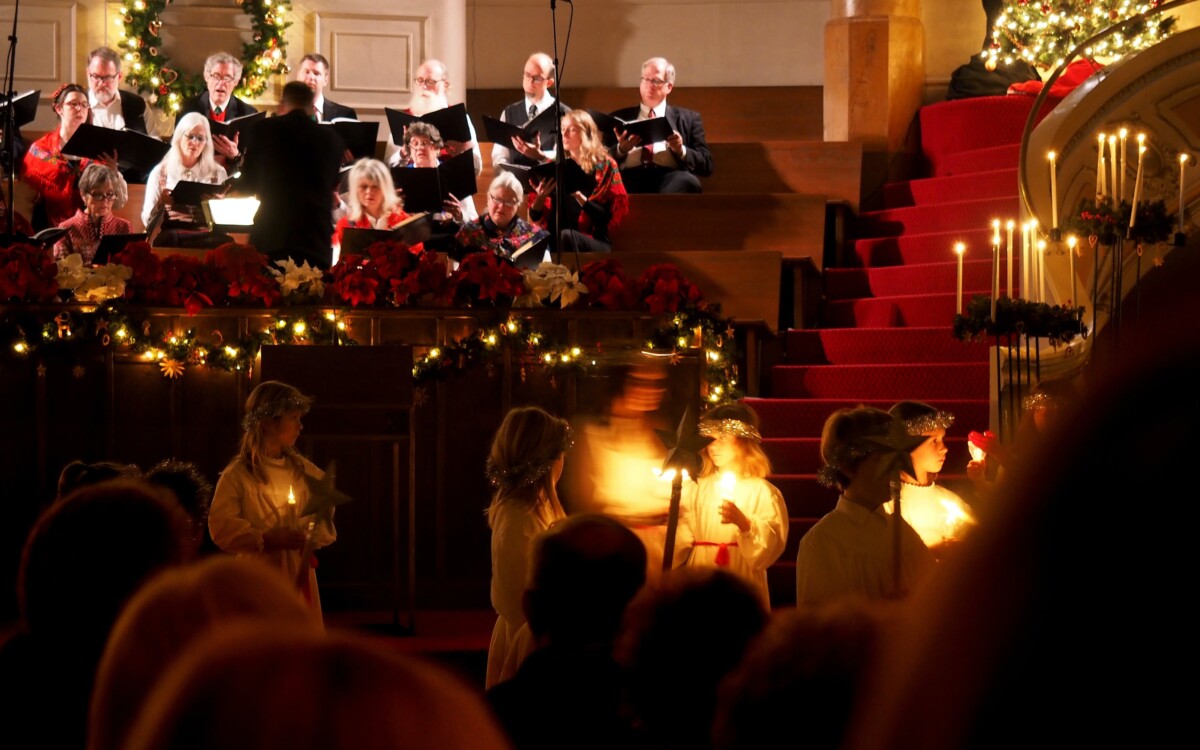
<point>918,248</point>
<point>999,183</point>
<point>920,310</point>
<point>924,278</point>
<point>803,418</point>
<point>802,455</point>
<point>942,217</point>
<point>803,495</point>
<point>968,124</point>
<point>981,160</point>
<point>843,346</point>
<point>923,382</point>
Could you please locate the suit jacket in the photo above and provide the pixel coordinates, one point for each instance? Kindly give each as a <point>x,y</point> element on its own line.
<point>133,109</point>
<point>202,104</point>
<point>686,122</point>
<point>333,110</point>
<point>292,166</point>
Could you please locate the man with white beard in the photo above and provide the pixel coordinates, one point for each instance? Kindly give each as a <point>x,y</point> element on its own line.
<point>429,95</point>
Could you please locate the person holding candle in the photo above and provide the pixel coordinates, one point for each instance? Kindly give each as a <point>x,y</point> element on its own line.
<point>524,466</point>
<point>737,518</point>
<point>250,513</point>
<point>938,514</point>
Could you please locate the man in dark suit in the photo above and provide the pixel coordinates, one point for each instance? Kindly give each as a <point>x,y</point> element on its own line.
<point>112,107</point>
<point>671,166</point>
<point>292,166</point>
<point>314,73</point>
<point>222,71</point>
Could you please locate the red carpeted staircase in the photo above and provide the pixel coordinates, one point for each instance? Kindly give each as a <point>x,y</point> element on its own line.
<point>885,330</point>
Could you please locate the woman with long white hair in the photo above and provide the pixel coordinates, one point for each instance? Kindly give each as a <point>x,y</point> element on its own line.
<point>190,159</point>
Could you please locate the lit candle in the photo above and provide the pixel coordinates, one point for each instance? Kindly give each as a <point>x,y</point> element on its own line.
<point>1025,260</point>
<point>1137,182</point>
<point>1182,163</point>
<point>1053,192</point>
<point>1100,169</point>
<point>1041,271</point>
<point>1011,224</point>
<point>959,249</point>
<point>995,264</point>
<point>1071,242</point>
<point>1121,170</point>
<point>1112,166</point>
<point>727,484</point>
<point>291,506</point>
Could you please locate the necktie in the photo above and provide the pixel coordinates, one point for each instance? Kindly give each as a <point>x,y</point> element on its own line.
<point>219,114</point>
<point>647,154</point>
<point>532,111</point>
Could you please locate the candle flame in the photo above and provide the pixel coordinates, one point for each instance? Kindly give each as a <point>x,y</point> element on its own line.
<point>1071,241</point>
<point>1051,156</point>
<point>1183,158</point>
<point>1101,139</point>
<point>1141,138</point>
<point>291,496</point>
<point>1112,140</point>
<point>960,247</point>
<point>1124,132</point>
<point>1011,224</point>
<point>727,484</point>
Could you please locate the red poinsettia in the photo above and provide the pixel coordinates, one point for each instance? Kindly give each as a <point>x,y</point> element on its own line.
<point>354,282</point>
<point>27,274</point>
<point>663,288</point>
<point>187,283</point>
<point>608,286</point>
<point>484,277</point>
<point>247,272</point>
<point>147,279</point>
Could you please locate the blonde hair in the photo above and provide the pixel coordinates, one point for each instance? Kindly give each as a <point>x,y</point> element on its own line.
<point>372,170</point>
<point>269,401</point>
<point>170,612</point>
<point>752,459</point>
<point>524,449</point>
<point>591,146</point>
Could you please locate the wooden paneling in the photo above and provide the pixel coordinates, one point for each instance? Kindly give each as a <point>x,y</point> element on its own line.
<point>832,169</point>
<point>789,223</point>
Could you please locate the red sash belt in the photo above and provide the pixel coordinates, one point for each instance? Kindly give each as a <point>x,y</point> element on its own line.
<point>722,559</point>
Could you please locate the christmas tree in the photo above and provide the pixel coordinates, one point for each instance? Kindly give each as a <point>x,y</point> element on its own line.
<point>1043,34</point>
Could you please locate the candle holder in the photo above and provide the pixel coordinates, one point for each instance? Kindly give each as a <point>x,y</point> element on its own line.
<point>1056,235</point>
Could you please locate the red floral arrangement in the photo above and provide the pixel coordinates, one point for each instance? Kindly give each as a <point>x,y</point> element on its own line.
<point>485,277</point>
<point>246,273</point>
<point>388,273</point>
<point>173,281</point>
<point>662,288</point>
<point>608,286</point>
<point>27,274</point>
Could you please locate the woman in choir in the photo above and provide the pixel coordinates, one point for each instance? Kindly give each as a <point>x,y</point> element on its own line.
<point>938,514</point>
<point>372,202</point>
<point>588,218</point>
<point>256,509</point>
<point>191,159</point>
<point>52,174</point>
<point>425,145</point>
<point>499,230</point>
<point>524,467</point>
<point>102,190</point>
<point>737,518</point>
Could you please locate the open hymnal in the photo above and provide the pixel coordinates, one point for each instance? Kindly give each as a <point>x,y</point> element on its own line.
<point>426,188</point>
<point>652,130</point>
<point>451,123</point>
<point>133,149</point>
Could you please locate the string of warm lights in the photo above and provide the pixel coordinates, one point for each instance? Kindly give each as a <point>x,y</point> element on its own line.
<point>149,70</point>
<point>27,333</point>
<point>1042,34</point>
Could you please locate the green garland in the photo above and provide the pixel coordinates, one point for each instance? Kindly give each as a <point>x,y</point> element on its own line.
<point>1019,317</point>
<point>149,70</point>
<point>26,333</point>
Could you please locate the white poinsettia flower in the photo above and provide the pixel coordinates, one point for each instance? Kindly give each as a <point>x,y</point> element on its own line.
<point>71,272</point>
<point>104,283</point>
<point>568,291</point>
<point>302,280</point>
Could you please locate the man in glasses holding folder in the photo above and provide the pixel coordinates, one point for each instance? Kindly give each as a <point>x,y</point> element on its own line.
<point>222,71</point>
<point>537,80</point>
<point>671,166</point>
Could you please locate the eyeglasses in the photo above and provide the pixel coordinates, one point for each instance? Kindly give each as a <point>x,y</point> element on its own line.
<point>510,202</point>
<point>657,83</point>
<point>103,196</point>
<point>196,138</point>
<point>536,79</point>
<point>429,82</point>
<point>102,79</point>
<point>221,79</point>
<point>77,105</point>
